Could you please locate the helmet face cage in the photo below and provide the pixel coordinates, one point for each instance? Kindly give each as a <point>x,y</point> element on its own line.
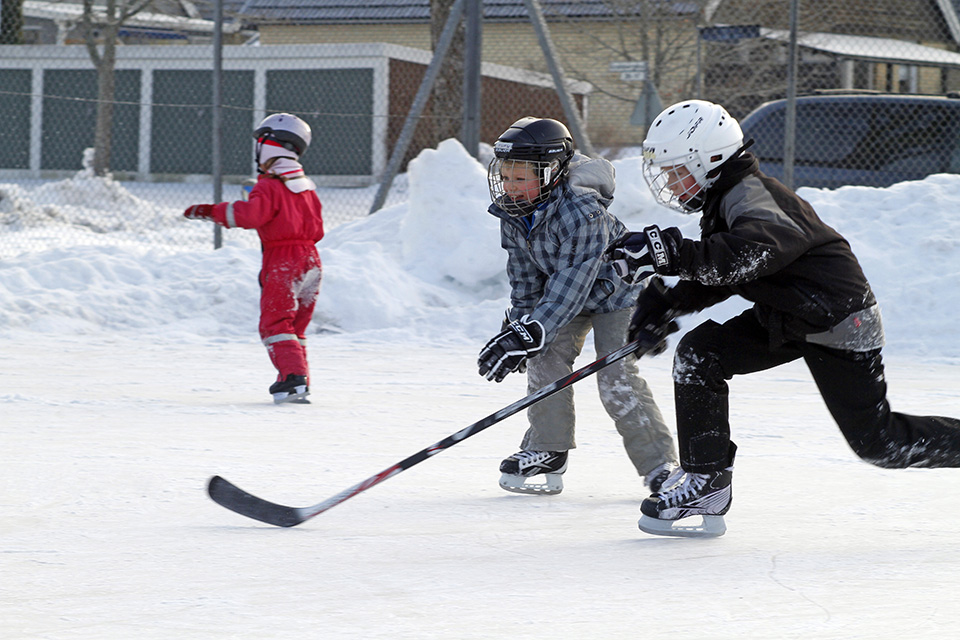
<point>520,186</point>
<point>676,186</point>
<point>530,160</point>
<point>684,150</point>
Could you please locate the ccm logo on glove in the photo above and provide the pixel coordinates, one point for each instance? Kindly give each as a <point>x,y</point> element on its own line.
<point>661,258</point>
<point>508,350</point>
<point>637,255</point>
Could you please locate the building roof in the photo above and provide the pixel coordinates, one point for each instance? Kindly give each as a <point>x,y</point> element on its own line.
<point>418,11</point>
<point>868,48</point>
<point>71,12</point>
<point>949,10</point>
<point>184,15</point>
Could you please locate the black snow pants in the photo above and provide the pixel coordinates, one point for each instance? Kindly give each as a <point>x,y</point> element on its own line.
<point>851,384</point>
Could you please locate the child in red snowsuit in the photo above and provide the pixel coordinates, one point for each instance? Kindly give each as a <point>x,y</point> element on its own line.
<point>284,209</point>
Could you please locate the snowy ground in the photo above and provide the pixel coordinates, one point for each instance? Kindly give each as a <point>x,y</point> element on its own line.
<point>107,532</point>
<point>129,377</point>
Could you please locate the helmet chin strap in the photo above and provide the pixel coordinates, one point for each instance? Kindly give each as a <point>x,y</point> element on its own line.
<point>736,154</point>
<point>696,202</point>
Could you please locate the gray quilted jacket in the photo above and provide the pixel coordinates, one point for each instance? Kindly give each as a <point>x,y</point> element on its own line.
<point>554,261</point>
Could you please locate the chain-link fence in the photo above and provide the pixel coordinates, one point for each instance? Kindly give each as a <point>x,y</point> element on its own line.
<point>161,150</point>
<point>352,70</point>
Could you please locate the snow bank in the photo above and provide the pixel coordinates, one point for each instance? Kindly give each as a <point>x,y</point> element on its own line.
<point>431,266</point>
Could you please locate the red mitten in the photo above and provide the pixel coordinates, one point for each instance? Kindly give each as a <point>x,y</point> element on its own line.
<point>199,212</point>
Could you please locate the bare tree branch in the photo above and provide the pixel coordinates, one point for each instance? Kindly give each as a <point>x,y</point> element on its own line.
<point>101,33</point>
<point>89,38</point>
<point>132,9</point>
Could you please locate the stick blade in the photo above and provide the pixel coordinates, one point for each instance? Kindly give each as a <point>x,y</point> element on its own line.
<point>232,497</point>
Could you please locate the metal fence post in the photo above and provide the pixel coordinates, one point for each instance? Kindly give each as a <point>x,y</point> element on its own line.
<point>790,122</point>
<point>216,159</point>
<point>470,134</point>
<point>569,108</point>
<point>419,101</point>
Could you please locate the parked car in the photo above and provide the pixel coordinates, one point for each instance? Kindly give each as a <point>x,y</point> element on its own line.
<point>873,139</point>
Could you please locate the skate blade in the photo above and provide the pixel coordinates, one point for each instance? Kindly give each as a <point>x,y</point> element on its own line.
<point>711,527</point>
<point>295,398</point>
<point>521,484</point>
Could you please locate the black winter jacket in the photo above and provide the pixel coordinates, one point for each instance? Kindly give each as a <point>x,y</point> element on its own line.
<point>761,241</point>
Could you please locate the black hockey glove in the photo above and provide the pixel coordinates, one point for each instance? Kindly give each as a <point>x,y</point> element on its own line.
<point>522,367</point>
<point>640,254</point>
<point>510,348</point>
<point>653,319</point>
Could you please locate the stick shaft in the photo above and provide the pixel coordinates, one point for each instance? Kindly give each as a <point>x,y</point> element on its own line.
<point>232,497</point>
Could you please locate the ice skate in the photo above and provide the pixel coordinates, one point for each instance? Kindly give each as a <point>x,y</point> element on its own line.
<point>706,496</point>
<point>293,389</point>
<point>519,469</point>
<point>663,477</point>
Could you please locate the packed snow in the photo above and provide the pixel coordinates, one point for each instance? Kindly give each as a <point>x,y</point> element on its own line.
<point>131,374</point>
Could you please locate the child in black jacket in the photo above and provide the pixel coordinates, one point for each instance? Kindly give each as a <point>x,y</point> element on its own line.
<point>761,241</point>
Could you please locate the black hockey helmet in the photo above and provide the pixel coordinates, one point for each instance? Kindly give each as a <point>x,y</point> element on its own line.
<point>536,140</point>
<point>545,144</point>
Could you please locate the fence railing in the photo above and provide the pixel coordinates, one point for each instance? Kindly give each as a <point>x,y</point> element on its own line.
<point>354,82</point>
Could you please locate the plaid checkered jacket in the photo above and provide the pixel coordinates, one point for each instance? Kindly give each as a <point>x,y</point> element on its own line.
<point>554,261</point>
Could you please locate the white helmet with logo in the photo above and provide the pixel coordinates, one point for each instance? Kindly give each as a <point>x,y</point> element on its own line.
<point>696,135</point>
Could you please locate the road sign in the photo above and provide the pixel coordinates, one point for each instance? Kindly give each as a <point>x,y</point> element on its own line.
<point>633,76</point>
<point>632,66</point>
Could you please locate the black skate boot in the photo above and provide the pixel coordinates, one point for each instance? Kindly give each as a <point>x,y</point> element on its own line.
<point>518,468</point>
<point>293,389</point>
<point>707,495</point>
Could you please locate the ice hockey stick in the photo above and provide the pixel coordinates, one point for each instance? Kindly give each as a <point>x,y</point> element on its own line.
<point>228,495</point>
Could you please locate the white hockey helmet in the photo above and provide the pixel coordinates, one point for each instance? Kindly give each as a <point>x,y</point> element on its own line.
<point>696,135</point>
<point>280,133</point>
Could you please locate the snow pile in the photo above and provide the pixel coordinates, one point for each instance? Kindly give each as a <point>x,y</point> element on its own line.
<point>430,267</point>
<point>98,205</point>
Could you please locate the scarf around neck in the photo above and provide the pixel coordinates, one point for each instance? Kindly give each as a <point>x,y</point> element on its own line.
<point>291,172</point>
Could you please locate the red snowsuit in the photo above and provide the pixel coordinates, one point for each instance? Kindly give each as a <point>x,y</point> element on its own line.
<point>290,225</point>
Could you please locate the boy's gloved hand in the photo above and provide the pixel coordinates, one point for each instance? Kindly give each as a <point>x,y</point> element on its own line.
<point>640,254</point>
<point>510,348</point>
<point>522,367</point>
<point>653,319</point>
<point>199,212</point>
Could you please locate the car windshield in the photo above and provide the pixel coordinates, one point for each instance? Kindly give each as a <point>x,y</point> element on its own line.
<point>863,135</point>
